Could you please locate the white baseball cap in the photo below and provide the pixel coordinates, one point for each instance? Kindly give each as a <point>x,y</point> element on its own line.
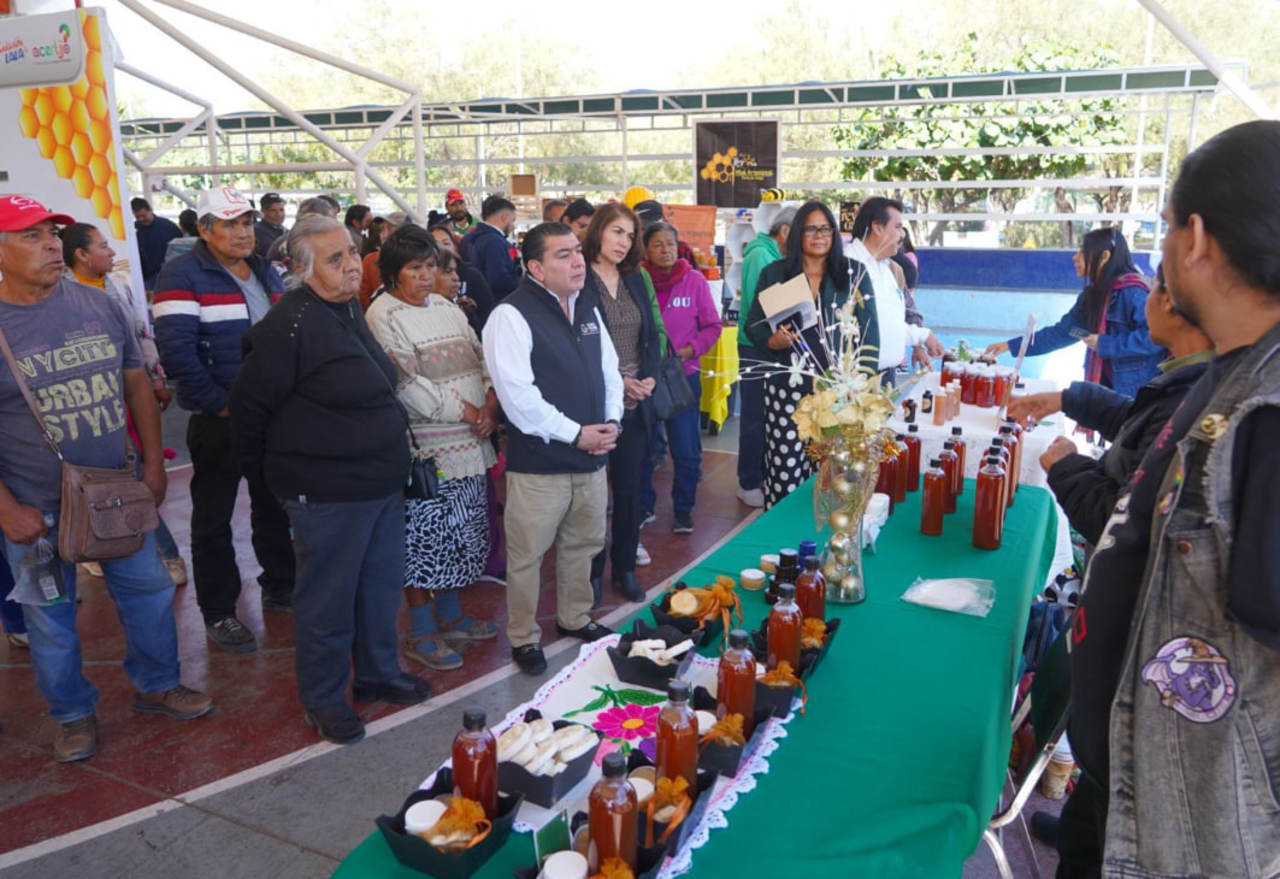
<point>224,203</point>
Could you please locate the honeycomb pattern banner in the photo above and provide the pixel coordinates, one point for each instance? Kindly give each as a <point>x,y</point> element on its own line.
<point>71,125</point>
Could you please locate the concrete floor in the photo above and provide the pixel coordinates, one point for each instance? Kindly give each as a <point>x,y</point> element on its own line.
<point>249,792</point>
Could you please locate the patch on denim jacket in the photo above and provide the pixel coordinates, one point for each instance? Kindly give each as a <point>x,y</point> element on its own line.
<point>1193,679</point>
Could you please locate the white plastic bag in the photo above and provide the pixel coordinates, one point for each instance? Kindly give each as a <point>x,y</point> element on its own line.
<point>956,594</point>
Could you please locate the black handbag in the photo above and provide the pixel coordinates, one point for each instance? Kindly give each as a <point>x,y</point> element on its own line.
<point>424,477</point>
<point>671,392</point>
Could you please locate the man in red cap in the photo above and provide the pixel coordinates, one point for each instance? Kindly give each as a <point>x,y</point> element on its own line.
<point>460,220</point>
<point>80,360</point>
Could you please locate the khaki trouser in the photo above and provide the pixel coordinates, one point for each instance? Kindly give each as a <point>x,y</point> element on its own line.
<point>567,509</point>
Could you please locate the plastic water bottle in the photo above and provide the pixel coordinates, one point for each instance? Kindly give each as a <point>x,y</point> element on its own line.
<point>42,567</point>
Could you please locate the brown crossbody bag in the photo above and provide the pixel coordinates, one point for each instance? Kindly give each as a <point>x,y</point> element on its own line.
<point>106,513</point>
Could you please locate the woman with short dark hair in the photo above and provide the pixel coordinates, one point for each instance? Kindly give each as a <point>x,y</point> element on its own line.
<point>813,250</point>
<point>452,410</point>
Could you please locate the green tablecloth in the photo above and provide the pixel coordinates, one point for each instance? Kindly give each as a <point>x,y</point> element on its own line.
<point>899,761</point>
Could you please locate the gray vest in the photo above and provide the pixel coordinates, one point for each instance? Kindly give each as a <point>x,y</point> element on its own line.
<point>1195,724</point>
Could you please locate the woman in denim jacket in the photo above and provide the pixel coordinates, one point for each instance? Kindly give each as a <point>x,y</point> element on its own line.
<point>1108,316</point>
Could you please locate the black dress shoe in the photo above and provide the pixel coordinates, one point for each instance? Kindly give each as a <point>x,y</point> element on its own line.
<point>1044,827</point>
<point>592,631</point>
<point>530,659</point>
<point>629,587</point>
<point>404,690</point>
<point>339,725</point>
<point>597,592</point>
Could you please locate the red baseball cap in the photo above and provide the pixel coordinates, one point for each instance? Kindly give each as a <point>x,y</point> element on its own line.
<point>454,195</point>
<point>17,212</point>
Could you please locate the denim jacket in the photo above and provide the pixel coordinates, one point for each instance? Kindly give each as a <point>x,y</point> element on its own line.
<point>1126,345</point>
<point>1195,723</point>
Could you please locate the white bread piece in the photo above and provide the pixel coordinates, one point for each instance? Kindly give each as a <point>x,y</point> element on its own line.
<point>545,751</point>
<point>576,749</point>
<point>567,735</point>
<point>541,729</point>
<point>525,754</point>
<point>513,740</point>
<point>674,652</point>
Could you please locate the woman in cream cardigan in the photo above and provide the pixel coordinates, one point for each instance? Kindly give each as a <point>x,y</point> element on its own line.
<point>452,410</point>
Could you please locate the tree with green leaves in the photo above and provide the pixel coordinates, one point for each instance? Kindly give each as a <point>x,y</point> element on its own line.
<point>931,129</point>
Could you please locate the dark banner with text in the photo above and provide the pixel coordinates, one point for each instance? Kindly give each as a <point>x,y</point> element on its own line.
<point>734,161</point>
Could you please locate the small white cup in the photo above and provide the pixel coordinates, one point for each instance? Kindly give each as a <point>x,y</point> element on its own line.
<point>564,865</point>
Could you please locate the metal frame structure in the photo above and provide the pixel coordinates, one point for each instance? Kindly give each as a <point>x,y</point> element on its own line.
<point>470,144</point>
<point>357,159</point>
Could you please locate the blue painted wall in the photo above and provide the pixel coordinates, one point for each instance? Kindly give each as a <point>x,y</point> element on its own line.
<point>1008,268</point>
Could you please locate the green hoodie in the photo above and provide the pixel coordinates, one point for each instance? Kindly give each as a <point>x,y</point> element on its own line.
<point>759,253</point>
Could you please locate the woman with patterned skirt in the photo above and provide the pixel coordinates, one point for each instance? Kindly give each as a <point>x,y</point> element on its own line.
<point>814,249</point>
<point>452,411</point>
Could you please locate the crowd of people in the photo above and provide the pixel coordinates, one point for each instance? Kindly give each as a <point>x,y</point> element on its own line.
<point>375,382</point>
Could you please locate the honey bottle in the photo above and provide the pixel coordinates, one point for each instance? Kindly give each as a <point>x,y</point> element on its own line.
<point>736,682</point>
<point>612,815</point>
<point>949,460</point>
<point>988,505</point>
<point>475,762</point>
<point>784,628</point>
<point>913,457</point>
<point>933,502</point>
<point>678,732</point>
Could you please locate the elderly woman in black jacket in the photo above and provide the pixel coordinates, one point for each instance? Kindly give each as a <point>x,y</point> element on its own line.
<point>1086,488</point>
<point>314,411</point>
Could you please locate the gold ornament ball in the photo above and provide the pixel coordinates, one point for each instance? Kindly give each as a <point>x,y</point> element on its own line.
<point>844,485</point>
<point>840,520</point>
<point>859,467</point>
<point>851,587</point>
<point>839,542</point>
<point>841,458</point>
<point>832,571</point>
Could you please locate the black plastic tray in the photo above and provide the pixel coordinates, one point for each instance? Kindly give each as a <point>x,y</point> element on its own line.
<point>645,672</point>
<point>810,657</point>
<point>546,790</point>
<point>722,759</point>
<point>416,853</point>
<point>661,610</point>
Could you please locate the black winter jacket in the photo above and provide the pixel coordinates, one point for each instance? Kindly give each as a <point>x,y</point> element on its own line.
<point>1086,488</point>
<point>313,409</point>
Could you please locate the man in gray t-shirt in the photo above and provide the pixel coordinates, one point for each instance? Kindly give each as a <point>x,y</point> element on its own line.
<point>73,349</point>
<point>78,356</point>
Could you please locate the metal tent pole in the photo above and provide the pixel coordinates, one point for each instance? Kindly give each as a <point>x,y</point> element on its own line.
<point>1235,84</point>
<point>266,97</point>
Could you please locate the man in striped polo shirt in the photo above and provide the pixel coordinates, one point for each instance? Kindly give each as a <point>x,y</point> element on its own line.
<point>205,301</point>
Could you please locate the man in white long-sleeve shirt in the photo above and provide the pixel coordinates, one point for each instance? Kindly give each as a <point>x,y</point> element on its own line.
<point>877,234</point>
<point>555,371</point>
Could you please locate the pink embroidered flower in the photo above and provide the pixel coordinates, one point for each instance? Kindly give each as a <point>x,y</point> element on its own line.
<point>628,722</point>
<point>607,746</point>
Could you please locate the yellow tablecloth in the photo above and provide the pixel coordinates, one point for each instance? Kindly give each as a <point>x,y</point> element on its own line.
<point>719,372</point>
